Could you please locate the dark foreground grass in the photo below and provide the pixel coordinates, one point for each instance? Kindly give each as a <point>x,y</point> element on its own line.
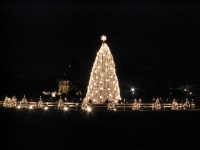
<point>56,129</point>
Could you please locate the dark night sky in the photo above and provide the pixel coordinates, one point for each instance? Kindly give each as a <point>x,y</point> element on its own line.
<point>153,44</point>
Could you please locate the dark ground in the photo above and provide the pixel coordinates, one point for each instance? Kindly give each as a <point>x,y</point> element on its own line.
<point>55,129</point>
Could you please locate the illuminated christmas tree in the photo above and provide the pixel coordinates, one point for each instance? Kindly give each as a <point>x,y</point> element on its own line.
<point>136,105</point>
<point>157,105</point>
<point>103,84</point>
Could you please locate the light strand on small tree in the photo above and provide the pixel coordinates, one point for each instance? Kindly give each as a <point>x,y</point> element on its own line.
<point>136,105</point>
<point>8,102</point>
<point>157,105</point>
<point>40,103</point>
<point>174,105</point>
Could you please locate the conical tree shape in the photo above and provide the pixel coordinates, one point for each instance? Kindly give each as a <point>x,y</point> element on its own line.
<point>103,83</point>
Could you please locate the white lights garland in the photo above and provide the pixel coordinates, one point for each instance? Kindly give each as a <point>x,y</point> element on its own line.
<point>136,105</point>
<point>40,103</point>
<point>8,102</point>
<point>157,105</point>
<point>174,105</point>
<point>186,104</point>
<point>111,106</point>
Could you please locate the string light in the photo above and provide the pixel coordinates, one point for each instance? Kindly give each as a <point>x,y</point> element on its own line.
<point>111,106</point>
<point>40,103</point>
<point>24,103</point>
<point>157,105</point>
<point>8,102</point>
<point>174,105</point>
<point>60,103</point>
<point>136,105</point>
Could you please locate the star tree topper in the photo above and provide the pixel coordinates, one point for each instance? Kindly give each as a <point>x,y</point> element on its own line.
<point>103,38</point>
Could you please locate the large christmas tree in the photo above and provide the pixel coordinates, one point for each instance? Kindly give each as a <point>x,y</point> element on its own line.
<point>103,83</point>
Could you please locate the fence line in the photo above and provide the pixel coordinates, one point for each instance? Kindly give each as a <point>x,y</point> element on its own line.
<point>119,107</point>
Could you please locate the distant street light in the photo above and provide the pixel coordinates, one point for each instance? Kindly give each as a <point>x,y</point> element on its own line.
<point>132,89</point>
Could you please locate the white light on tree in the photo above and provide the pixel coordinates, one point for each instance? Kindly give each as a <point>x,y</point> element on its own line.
<point>103,77</point>
<point>8,102</point>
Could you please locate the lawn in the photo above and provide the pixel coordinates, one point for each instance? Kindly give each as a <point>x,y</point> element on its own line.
<point>56,129</point>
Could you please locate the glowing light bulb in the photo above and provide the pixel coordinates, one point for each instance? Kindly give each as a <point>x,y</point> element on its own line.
<point>65,108</point>
<point>46,108</point>
<point>30,107</point>
<point>89,109</point>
